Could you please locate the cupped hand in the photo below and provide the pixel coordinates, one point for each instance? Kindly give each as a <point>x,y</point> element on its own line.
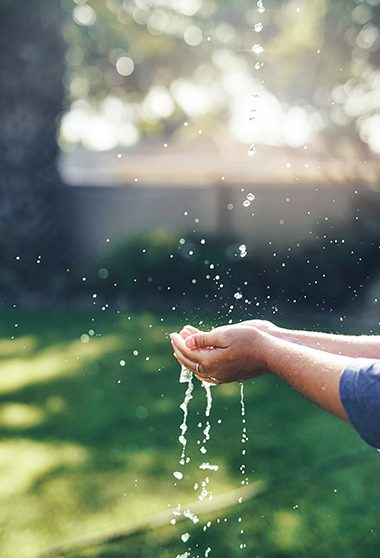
<point>263,325</point>
<point>225,354</point>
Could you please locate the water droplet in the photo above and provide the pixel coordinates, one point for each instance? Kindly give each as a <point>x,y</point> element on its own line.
<point>243,247</point>
<point>178,475</point>
<point>252,150</point>
<point>250,197</point>
<point>184,406</point>
<point>259,27</point>
<point>260,6</point>
<point>246,203</point>
<point>122,363</point>
<point>257,49</point>
<point>185,537</point>
<point>209,467</point>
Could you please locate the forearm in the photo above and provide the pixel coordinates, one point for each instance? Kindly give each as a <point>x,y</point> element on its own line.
<point>312,372</point>
<point>355,346</point>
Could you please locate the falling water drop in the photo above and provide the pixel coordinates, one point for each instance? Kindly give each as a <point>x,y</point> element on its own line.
<point>257,49</point>
<point>244,439</point>
<point>260,6</point>
<point>243,247</point>
<point>186,376</point>
<point>252,150</point>
<point>209,467</point>
<point>185,537</point>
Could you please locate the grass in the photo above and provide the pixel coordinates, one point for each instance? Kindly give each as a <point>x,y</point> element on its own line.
<point>88,445</point>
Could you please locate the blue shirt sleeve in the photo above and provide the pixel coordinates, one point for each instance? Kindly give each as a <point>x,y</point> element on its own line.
<point>360,396</point>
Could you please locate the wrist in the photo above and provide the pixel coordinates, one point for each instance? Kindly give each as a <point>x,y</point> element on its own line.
<point>264,347</point>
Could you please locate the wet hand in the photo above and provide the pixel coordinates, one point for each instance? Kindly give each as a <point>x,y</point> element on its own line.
<point>225,354</point>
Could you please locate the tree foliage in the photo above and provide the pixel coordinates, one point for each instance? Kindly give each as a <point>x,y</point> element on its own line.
<point>318,53</point>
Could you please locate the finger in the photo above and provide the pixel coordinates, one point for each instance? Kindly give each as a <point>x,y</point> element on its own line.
<point>191,329</point>
<point>198,371</point>
<point>186,362</point>
<point>180,343</point>
<point>203,340</point>
<point>188,330</point>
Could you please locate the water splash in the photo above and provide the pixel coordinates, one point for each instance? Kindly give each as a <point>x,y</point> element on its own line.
<point>190,515</point>
<point>209,467</point>
<point>244,439</point>
<point>186,376</point>
<point>207,428</point>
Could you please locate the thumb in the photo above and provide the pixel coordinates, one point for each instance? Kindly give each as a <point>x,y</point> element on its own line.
<point>205,340</point>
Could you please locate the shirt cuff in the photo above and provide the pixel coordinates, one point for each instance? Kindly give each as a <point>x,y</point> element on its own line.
<point>360,395</point>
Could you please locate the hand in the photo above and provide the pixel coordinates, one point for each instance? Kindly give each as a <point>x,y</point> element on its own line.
<point>263,325</point>
<point>226,354</point>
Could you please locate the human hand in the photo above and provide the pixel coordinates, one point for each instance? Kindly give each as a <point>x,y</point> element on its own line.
<point>263,325</point>
<point>225,354</point>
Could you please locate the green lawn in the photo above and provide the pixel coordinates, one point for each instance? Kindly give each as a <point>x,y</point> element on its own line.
<point>88,445</point>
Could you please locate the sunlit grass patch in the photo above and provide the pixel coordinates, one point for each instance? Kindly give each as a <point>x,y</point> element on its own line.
<point>24,462</point>
<point>19,415</point>
<point>58,360</point>
<point>14,347</point>
<point>90,443</point>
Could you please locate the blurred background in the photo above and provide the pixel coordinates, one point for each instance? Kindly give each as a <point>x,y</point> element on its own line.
<point>166,162</point>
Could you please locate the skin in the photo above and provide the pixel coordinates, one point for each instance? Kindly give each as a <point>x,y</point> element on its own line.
<point>311,363</point>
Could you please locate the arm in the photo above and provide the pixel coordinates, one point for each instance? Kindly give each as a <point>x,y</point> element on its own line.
<point>355,346</point>
<point>312,372</point>
<point>242,352</point>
